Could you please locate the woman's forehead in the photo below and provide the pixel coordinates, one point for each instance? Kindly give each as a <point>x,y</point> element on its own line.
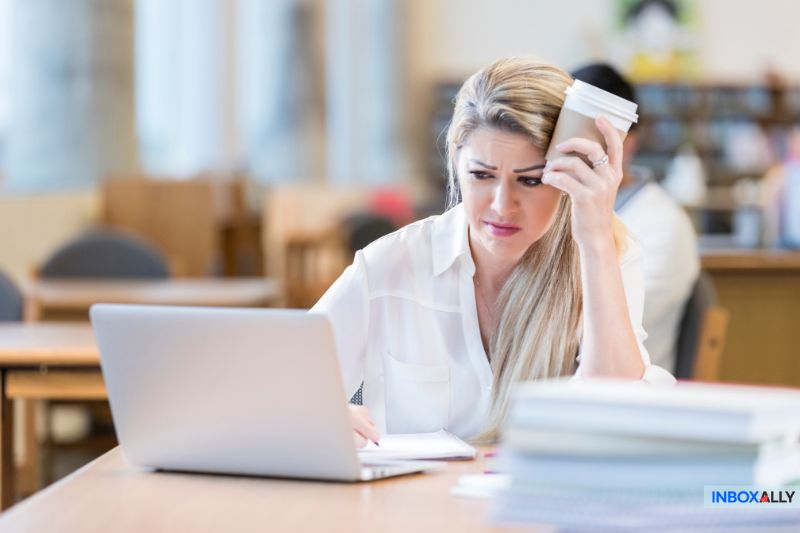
<point>501,149</point>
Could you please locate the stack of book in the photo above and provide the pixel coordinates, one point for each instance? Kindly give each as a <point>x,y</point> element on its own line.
<point>603,455</point>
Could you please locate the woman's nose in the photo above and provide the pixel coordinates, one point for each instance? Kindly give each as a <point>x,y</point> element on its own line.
<point>503,201</point>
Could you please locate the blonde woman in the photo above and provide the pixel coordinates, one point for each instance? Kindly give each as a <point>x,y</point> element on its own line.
<point>526,276</point>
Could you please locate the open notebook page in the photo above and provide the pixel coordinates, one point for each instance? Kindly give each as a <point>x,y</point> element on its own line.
<point>438,445</point>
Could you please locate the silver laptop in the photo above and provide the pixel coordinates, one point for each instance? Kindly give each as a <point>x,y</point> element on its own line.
<point>237,391</point>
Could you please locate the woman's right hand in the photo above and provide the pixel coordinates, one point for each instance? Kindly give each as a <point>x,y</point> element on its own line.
<point>364,429</point>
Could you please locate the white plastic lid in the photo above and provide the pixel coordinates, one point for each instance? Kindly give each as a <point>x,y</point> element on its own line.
<point>592,100</point>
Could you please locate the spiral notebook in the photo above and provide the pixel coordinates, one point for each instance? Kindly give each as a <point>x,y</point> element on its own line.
<point>437,445</point>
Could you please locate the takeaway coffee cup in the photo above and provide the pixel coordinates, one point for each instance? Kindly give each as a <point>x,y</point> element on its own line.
<point>583,104</point>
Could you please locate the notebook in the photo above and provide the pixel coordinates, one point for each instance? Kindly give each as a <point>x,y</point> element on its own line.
<point>436,445</point>
<point>691,411</point>
<point>544,441</point>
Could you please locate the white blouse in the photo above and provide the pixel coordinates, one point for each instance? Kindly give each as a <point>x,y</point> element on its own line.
<point>405,323</point>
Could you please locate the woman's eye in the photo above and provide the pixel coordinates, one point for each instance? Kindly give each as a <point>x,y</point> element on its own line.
<point>479,174</point>
<point>530,182</point>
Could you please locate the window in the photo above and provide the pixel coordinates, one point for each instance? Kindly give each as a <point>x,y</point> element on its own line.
<point>6,12</point>
<point>185,82</point>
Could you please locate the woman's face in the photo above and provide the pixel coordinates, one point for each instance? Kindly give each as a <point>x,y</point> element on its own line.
<point>507,206</point>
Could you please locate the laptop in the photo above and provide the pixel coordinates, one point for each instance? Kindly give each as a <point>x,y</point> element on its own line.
<point>233,391</point>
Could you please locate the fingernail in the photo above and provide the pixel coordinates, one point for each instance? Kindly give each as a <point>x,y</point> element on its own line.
<point>548,165</point>
<point>560,146</point>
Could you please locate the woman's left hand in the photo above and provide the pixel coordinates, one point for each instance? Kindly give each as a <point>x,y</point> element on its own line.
<point>592,190</point>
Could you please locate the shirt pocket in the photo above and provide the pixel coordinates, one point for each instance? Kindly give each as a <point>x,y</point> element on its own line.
<point>417,396</point>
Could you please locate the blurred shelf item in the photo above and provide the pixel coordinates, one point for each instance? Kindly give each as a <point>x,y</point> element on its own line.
<point>737,129</point>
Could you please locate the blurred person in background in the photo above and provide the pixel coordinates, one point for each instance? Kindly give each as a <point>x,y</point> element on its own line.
<point>527,276</point>
<point>662,228</point>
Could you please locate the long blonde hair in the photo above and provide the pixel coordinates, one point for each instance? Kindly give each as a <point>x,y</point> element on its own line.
<point>541,305</point>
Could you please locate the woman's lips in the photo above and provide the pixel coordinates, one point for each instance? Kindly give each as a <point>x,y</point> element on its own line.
<point>501,230</point>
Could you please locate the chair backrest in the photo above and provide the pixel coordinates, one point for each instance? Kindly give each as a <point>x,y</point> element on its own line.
<point>180,217</point>
<point>702,334</point>
<point>293,212</point>
<point>361,229</point>
<point>105,254</point>
<point>302,238</point>
<point>10,300</point>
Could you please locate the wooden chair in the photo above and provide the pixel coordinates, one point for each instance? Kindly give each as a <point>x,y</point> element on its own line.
<point>239,227</point>
<point>711,345</point>
<point>702,334</point>
<point>303,244</point>
<point>177,216</point>
<point>93,254</point>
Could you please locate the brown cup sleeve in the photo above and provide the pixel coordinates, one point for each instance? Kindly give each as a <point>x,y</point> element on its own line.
<point>573,124</point>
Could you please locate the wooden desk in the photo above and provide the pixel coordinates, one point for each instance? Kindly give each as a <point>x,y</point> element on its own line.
<point>750,259</point>
<point>73,295</point>
<point>68,353</point>
<point>761,290</point>
<point>109,495</point>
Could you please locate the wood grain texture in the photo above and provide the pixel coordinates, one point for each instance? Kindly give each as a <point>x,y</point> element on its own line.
<point>44,343</point>
<point>6,446</point>
<point>79,295</point>
<point>49,346</point>
<point>300,237</point>
<point>55,384</point>
<point>711,344</point>
<point>179,217</point>
<point>109,495</point>
<point>763,336</point>
<point>755,259</point>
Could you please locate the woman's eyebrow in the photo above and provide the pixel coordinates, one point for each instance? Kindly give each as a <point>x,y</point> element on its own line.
<point>532,167</point>
<point>484,165</point>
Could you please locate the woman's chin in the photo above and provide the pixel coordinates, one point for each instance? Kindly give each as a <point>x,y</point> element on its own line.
<point>504,247</point>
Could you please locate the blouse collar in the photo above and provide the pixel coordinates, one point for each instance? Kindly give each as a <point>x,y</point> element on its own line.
<point>449,239</point>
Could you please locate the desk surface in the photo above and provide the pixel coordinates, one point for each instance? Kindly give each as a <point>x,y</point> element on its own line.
<point>109,495</point>
<point>80,294</point>
<point>750,260</point>
<point>721,253</point>
<point>47,343</point>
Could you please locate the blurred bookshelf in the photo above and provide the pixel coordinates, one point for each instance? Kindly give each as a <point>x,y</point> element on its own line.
<point>715,120</point>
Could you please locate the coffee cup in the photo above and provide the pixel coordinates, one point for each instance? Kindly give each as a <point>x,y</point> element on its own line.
<point>582,105</point>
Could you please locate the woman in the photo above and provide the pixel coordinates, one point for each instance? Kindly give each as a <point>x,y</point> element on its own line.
<point>527,276</point>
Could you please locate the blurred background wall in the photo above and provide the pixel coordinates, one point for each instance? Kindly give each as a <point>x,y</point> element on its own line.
<point>341,92</point>
<point>736,40</point>
<point>339,89</point>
